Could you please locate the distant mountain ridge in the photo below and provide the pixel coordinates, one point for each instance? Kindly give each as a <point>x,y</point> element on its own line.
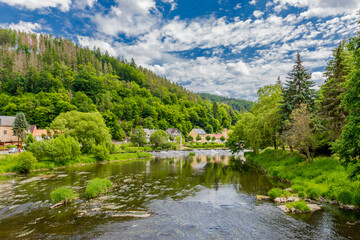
<point>236,104</point>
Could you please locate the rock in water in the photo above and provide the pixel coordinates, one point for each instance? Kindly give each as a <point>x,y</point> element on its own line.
<point>262,197</point>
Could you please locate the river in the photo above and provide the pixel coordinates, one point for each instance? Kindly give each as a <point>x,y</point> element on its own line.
<point>209,196</point>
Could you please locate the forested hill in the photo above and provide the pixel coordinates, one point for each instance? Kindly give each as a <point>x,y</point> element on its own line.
<point>44,76</point>
<point>236,104</point>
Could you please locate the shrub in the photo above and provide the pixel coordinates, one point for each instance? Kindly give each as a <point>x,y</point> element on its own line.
<point>356,197</point>
<point>344,196</point>
<point>159,138</point>
<point>11,146</point>
<point>192,154</point>
<point>143,155</point>
<point>298,205</point>
<point>286,194</point>
<point>274,193</point>
<point>62,194</point>
<point>101,152</point>
<point>297,188</point>
<point>26,162</point>
<point>313,193</point>
<point>96,187</point>
<point>301,194</point>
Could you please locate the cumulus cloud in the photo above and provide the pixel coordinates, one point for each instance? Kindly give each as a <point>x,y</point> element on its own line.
<point>93,43</point>
<point>258,13</point>
<point>22,26</point>
<point>63,5</point>
<point>84,3</point>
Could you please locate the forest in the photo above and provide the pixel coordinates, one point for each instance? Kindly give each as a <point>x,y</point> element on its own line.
<point>43,76</point>
<point>236,104</point>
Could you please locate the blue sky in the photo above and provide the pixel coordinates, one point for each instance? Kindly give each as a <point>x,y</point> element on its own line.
<point>224,47</point>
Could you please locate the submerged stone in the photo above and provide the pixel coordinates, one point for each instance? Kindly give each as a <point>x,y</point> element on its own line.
<point>138,214</point>
<point>262,197</point>
<point>313,208</point>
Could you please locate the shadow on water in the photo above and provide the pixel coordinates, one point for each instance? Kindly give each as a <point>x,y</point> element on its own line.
<point>210,195</point>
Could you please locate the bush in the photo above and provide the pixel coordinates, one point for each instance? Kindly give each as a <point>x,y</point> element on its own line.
<point>59,150</point>
<point>297,188</point>
<point>62,194</point>
<point>143,155</point>
<point>192,154</point>
<point>159,138</point>
<point>298,205</point>
<point>274,193</point>
<point>286,194</point>
<point>96,187</point>
<point>313,193</point>
<point>11,146</point>
<point>301,194</point>
<point>101,152</point>
<point>356,197</point>
<point>26,162</point>
<point>344,196</point>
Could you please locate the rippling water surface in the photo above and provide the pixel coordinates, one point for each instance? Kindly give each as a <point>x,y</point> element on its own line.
<point>209,196</point>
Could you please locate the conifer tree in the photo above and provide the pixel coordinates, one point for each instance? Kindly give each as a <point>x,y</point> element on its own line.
<point>20,126</point>
<point>296,91</point>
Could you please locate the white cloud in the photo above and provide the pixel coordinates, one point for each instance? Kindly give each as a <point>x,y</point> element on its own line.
<point>91,43</point>
<point>238,6</point>
<point>320,8</point>
<point>63,5</point>
<point>82,4</point>
<point>23,26</point>
<point>253,2</point>
<point>173,4</point>
<point>258,13</point>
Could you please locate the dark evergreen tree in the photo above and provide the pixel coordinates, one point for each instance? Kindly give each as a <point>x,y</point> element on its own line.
<point>20,126</point>
<point>215,109</point>
<point>331,110</point>
<point>297,90</point>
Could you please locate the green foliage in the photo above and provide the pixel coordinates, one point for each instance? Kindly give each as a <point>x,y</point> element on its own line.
<point>275,193</point>
<point>198,138</point>
<point>300,206</point>
<point>208,138</point>
<point>138,136</point>
<point>143,155</point>
<point>192,154</point>
<point>29,140</point>
<point>87,128</point>
<point>236,104</point>
<point>96,187</point>
<point>159,138</point>
<point>59,150</point>
<point>25,162</point>
<point>62,194</point>
<point>301,194</point>
<point>20,126</point>
<point>222,138</point>
<point>101,152</point>
<point>11,146</point>
<point>344,196</point>
<point>313,193</point>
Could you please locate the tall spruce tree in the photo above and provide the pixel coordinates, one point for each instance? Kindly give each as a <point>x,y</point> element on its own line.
<point>297,90</point>
<point>20,126</point>
<point>331,110</point>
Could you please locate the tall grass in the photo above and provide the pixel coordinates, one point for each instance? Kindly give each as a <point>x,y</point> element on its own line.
<point>324,177</point>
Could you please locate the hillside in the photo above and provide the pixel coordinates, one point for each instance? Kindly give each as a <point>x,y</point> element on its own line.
<point>236,104</point>
<point>44,76</point>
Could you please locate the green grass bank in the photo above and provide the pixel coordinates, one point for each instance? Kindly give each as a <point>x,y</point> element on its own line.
<point>325,177</point>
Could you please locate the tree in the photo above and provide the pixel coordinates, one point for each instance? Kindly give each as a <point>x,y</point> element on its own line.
<point>297,90</point>
<point>138,136</point>
<point>20,126</point>
<point>348,146</point>
<point>87,128</point>
<point>29,140</point>
<point>213,139</point>
<point>222,138</point>
<point>198,138</point>
<point>159,138</point>
<point>299,133</point>
<point>215,109</point>
<point>208,138</point>
<point>190,138</point>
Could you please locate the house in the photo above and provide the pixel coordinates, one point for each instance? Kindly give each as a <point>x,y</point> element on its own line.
<point>198,132</point>
<point>37,132</point>
<point>217,137</point>
<point>148,133</point>
<point>6,132</point>
<point>174,132</point>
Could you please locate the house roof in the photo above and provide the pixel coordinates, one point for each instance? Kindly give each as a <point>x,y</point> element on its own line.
<point>173,131</point>
<point>7,121</point>
<point>32,128</point>
<point>149,131</point>
<point>199,131</point>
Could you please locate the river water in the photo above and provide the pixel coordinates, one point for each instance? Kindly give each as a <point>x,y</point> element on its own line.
<point>209,196</point>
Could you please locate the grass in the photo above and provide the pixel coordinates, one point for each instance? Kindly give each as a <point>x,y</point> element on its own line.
<point>192,154</point>
<point>300,206</point>
<point>9,163</point>
<point>62,194</point>
<point>96,187</point>
<point>324,177</point>
<point>275,193</point>
<point>205,145</point>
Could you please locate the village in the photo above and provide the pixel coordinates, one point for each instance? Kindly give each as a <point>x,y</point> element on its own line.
<point>8,140</point>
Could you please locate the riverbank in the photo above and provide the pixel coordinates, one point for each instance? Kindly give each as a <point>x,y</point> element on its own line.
<point>8,163</point>
<point>325,178</point>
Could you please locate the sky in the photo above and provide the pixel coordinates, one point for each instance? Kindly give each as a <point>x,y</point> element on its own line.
<point>223,47</point>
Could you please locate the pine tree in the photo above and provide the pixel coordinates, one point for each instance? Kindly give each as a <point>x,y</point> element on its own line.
<point>215,109</point>
<point>332,111</point>
<point>20,126</point>
<point>296,91</point>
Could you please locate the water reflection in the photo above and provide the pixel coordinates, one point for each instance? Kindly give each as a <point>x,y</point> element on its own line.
<point>208,195</point>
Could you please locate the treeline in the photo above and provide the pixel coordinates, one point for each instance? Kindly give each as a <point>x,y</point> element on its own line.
<point>294,115</point>
<point>43,76</point>
<point>236,104</point>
